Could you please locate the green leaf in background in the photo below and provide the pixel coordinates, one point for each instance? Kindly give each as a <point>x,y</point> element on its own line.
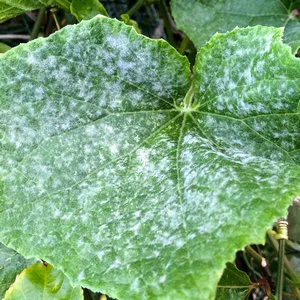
<point>126,19</point>
<point>292,34</point>
<point>11,264</point>
<point>200,19</point>
<point>85,10</point>
<point>108,174</point>
<point>4,48</point>
<point>41,281</point>
<point>234,284</point>
<point>294,221</point>
<point>12,8</point>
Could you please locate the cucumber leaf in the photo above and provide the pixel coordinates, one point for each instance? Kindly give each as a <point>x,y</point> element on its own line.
<point>112,172</point>
<point>200,19</point>
<point>85,10</point>
<point>41,281</point>
<point>234,284</point>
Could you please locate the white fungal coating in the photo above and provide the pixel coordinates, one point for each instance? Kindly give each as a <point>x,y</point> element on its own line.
<point>100,162</point>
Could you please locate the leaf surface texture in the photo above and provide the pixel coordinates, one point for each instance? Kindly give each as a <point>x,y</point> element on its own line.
<point>105,162</point>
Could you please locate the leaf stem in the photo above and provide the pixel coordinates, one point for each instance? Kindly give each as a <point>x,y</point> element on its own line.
<point>237,286</point>
<point>287,265</point>
<point>167,23</point>
<point>279,281</point>
<point>255,255</point>
<point>188,99</point>
<point>184,44</point>
<point>135,7</point>
<point>138,5</point>
<point>53,11</point>
<point>38,24</point>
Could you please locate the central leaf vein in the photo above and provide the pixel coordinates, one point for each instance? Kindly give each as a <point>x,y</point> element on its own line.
<point>180,187</point>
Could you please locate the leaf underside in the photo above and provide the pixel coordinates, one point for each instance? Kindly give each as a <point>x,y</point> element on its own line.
<point>213,16</point>
<point>110,176</point>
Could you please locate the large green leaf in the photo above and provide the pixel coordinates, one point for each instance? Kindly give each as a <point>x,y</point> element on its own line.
<point>12,8</point>
<point>11,264</point>
<point>109,175</point>
<point>41,281</point>
<point>200,19</point>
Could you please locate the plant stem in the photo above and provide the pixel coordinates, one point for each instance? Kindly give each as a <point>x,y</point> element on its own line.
<point>254,254</point>
<point>279,281</point>
<point>167,23</point>
<point>15,37</point>
<point>135,7</point>
<point>188,99</point>
<point>38,24</point>
<point>184,44</point>
<point>53,11</point>
<point>287,265</point>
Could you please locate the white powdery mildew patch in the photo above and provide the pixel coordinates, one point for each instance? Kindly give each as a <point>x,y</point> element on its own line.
<point>66,159</point>
<point>238,141</point>
<point>135,211</point>
<point>115,56</point>
<point>68,82</point>
<point>247,79</point>
<point>202,172</point>
<point>261,97</point>
<point>66,85</point>
<point>281,129</point>
<point>222,189</point>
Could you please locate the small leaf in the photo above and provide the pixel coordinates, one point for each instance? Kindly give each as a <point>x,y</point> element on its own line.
<point>41,281</point>
<point>85,10</point>
<point>126,19</point>
<point>200,19</point>
<point>105,157</point>
<point>4,48</point>
<point>232,276</point>
<point>234,284</point>
<point>11,264</point>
